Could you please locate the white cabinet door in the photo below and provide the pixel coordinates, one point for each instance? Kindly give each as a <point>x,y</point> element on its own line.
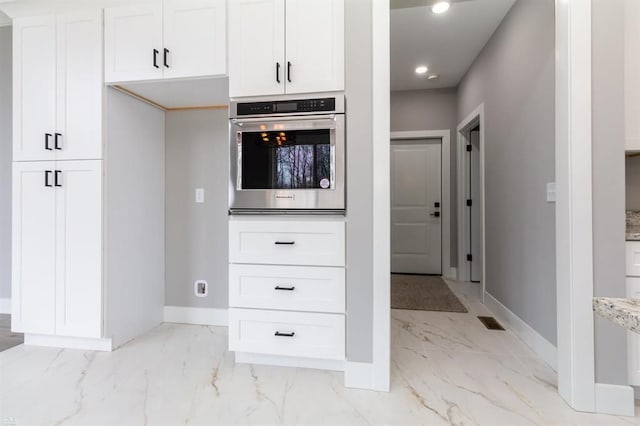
<point>79,86</point>
<point>315,45</point>
<point>34,88</point>
<point>133,42</point>
<point>256,47</point>
<point>33,248</point>
<point>633,339</point>
<point>195,38</point>
<point>79,248</point>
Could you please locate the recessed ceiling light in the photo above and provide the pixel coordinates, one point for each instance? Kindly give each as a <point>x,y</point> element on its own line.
<point>433,76</point>
<point>422,69</point>
<point>440,7</point>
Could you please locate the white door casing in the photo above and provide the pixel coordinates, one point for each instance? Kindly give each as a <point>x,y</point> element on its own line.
<point>33,247</point>
<point>34,88</point>
<point>131,34</point>
<point>79,85</point>
<point>79,248</point>
<point>256,47</point>
<point>475,215</point>
<point>416,233</point>
<point>314,45</point>
<point>195,38</point>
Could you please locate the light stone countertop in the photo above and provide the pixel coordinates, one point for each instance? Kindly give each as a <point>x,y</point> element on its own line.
<point>624,312</point>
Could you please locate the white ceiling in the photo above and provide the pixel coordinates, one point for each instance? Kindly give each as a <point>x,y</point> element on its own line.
<point>448,43</point>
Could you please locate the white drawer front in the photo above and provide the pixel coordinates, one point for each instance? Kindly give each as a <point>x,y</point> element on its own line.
<point>287,333</point>
<point>292,288</point>
<point>633,258</point>
<point>287,243</point>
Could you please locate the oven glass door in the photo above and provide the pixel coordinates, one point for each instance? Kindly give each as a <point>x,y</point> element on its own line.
<point>286,154</point>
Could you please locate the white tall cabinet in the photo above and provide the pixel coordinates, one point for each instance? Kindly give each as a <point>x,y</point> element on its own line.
<point>285,47</point>
<point>631,73</point>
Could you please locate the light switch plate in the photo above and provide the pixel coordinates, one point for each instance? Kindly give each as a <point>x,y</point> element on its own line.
<point>199,195</point>
<point>551,192</point>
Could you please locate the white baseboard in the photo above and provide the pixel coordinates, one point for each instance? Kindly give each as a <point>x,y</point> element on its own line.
<point>5,305</point>
<point>615,399</point>
<point>451,274</point>
<point>289,361</point>
<point>541,346</point>
<point>198,316</point>
<point>68,342</point>
<point>359,375</point>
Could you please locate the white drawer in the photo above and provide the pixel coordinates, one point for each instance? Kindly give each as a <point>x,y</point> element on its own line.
<point>320,243</point>
<point>287,333</point>
<point>633,258</point>
<point>291,288</point>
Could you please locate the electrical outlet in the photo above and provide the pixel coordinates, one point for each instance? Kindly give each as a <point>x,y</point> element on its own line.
<point>199,195</point>
<point>201,288</point>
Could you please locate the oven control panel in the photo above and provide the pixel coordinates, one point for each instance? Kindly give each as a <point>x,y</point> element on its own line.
<point>286,107</point>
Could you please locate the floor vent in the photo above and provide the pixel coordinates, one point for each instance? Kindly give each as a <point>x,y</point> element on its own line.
<point>491,323</point>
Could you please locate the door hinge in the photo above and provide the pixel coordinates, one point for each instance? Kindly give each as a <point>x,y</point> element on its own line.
<point>469,203</point>
<point>469,258</point>
<point>469,148</point>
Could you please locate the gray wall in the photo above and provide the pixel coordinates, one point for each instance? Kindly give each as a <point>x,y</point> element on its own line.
<point>196,234</point>
<point>633,183</point>
<point>608,182</point>
<point>5,162</point>
<point>358,82</point>
<point>434,109</point>
<point>514,76</point>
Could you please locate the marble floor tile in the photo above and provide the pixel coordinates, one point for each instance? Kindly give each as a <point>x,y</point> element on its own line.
<point>446,369</point>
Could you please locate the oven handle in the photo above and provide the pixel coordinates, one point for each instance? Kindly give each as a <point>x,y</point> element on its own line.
<point>240,121</point>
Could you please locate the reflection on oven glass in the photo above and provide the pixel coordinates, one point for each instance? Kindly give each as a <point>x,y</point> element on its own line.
<point>298,159</point>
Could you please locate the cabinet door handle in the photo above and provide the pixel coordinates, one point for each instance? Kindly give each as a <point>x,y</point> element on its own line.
<point>56,178</point>
<point>289,71</point>
<point>284,243</point>
<point>285,288</point>
<point>155,58</point>
<point>289,334</point>
<point>46,178</point>
<point>165,59</point>
<point>56,141</point>
<point>47,136</point>
<point>278,72</point>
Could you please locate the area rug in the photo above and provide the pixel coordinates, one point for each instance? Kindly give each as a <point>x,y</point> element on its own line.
<point>423,293</point>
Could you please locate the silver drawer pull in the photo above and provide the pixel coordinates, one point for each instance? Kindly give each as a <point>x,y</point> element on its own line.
<point>284,288</point>
<point>284,243</point>
<point>290,334</point>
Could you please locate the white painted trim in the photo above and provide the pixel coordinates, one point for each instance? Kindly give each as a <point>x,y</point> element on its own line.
<point>574,222</point>
<point>68,342</point>
<point>474,118</point>
<point>5,306</point>
<point>289,361</point>
<point>197,316</point>
<point>359,375</point>
<point>614,399</point>
<point>445,137</point>
<point>541,346</point>
<point>381,247</point>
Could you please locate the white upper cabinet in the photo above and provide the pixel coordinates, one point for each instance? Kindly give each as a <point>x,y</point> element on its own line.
<point>133,42</point>
<point>57,59</point>
<point>285,47</point>
<point>34,88</point>
<point>631,75</point>
<point>165,39</point>
<point>256,47</point>
<point>315,45</point>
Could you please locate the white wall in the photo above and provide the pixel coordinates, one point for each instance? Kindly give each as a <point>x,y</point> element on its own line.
<point>5,162</point>
<point>514,76</point>
<point>197,156</point>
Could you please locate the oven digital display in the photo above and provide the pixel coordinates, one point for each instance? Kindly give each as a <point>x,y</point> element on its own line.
<point>286,107</point>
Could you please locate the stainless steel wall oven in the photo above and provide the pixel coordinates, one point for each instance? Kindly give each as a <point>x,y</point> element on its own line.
<point>287,155</point>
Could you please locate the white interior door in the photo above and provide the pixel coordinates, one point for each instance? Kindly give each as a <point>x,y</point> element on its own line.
<point>475,234</point>
<point>34,88</point>
<point>195,36</point>
<point>79,248</point>
<point>79,87</point>
<point>256,47</point>
<point>416,222</point>
<point>33,251</point>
